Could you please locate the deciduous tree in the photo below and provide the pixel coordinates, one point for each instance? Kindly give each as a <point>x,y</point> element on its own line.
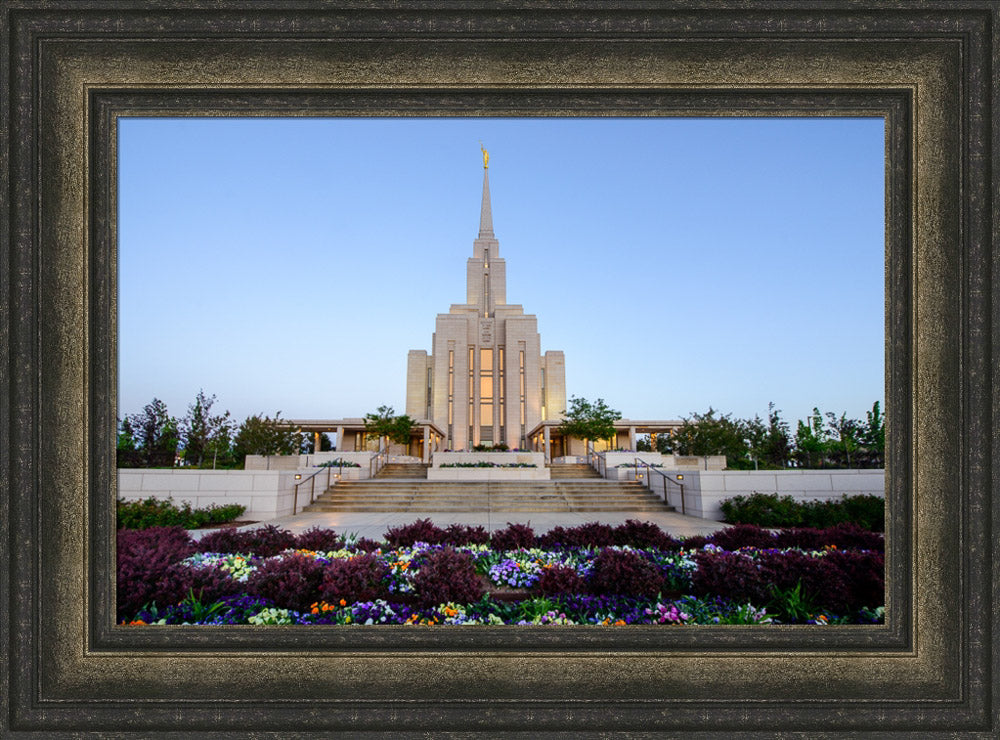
<point>589,421</point>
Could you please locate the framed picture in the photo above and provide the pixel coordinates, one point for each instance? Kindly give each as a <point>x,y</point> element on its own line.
<point>76,69</point>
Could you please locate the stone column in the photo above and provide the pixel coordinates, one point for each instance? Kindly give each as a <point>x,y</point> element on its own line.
<point>316,444</point>
<point>427,444</point>
<point>631,438</point>
<point>548,444</point>
<point>340,439</point>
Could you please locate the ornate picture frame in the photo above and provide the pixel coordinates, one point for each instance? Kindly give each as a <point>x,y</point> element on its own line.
<point>71,69</point>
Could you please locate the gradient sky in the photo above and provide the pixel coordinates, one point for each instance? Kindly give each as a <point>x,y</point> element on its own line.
<point>290,264</point>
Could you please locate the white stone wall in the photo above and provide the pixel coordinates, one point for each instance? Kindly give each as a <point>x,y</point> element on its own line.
<point>502,458</point>
<point>476,474</point>
<point>298,462</point>
<point>265,493</point>
<point>704,491</point>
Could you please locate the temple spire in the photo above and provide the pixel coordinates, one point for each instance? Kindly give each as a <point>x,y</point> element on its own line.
<point>486,215</point>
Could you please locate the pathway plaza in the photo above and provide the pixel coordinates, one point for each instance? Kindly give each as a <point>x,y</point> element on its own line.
<point>373,525</point>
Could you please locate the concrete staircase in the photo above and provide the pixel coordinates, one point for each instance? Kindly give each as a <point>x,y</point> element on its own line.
<point>456,496</point>
<point>402,470</point>
<point>575,471</point>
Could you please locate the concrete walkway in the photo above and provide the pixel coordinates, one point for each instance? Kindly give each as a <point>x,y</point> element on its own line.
<point>373,525</point>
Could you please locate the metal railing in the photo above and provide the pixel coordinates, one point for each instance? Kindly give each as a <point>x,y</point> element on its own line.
<point>596,460</point>
<point>378,460</point>
<point>311,480</point>
<point>649,481</point>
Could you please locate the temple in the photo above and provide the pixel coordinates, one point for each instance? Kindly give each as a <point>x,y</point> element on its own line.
<point>486,381</point>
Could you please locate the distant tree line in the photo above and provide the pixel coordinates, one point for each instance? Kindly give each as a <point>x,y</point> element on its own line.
<point>821,441</point>
<point>203,439</point>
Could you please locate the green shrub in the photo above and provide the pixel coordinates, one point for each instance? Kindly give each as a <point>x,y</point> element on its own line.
<point>771,510</point>
<point>153,512</point>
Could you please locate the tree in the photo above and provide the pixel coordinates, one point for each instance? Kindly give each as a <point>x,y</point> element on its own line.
<point>155,433</point>
<point>810,442</point>
<point>778,446</point>
<point>309,443</point>
<point>262,435</point>
<point>707,434</point>
<point>589,421</point>
<point>202,433</point>
<point>384,423</point>
<point>127,456</point>
<point>756,435</point>
<point>873,438</point>
<point>846,433</point>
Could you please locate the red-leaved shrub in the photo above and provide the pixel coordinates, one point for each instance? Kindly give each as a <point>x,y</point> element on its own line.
<point>447,575</point>
<point>422,530</point>
<point>694,542</point>
<point>320,539</point>
<point>205,584</point>
<point>267,541</point>
<point>624,572</point>
<point>559,579</point>
<point>729,575</point>
<point>364,544</point>
<point>264,541</point>
<point>635,533</point>
<point>360,578</point>
<point>864,573</point>
<point>850,536</point>
<point>743,535</point>
<point>805,538</point>
<point>592,534</point>
<point>515,537</point>
<point>463,534</point>
<point>143,558</point>
<point>291,582</point>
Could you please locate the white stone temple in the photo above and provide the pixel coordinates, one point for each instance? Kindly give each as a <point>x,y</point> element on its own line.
<point>486,380</point>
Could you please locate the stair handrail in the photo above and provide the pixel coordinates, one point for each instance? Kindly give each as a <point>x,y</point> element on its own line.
<point>649,479</point>
<point>312,486</point>
<point>596,460</point>
<point>378,460</point>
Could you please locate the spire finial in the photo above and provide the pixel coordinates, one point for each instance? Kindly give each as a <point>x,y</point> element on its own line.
<point>486,214</point>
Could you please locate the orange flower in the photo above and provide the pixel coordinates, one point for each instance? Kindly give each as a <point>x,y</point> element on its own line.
<point>343,602</point>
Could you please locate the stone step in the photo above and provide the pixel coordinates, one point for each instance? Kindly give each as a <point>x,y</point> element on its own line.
<point>465,496</point>
<point>578,470</point>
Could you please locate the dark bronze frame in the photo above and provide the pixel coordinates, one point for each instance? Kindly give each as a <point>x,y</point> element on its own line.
<point>70,69</point>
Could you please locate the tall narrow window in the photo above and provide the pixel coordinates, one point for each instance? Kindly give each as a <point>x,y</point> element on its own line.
<point>502,413</point>
<point>524,441</point>
<point>451,396</point>
<point>541,372</point>
<point>430,377</point>
<point>472,395</point>
<point>485,395</point>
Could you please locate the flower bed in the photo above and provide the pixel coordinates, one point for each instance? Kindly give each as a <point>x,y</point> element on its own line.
<point>421,574</point>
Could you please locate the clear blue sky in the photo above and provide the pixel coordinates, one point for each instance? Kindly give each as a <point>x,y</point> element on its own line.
<point>290,264</point>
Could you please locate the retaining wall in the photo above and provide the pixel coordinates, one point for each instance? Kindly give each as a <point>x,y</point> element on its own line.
<point>488,474</point>
<point>704,491</point>
<point>266,494</point>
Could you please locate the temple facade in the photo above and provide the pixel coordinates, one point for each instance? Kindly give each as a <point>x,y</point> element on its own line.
<point>486,381</point>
